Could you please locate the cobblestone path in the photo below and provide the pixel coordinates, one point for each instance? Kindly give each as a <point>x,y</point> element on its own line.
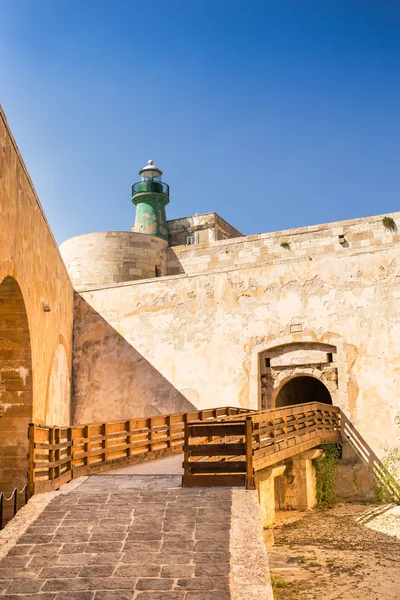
<point>124,537</point>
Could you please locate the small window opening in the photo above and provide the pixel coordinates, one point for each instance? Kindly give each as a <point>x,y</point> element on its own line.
<point>329,357</point>
<point>190,240</point>
<point>268,362</point>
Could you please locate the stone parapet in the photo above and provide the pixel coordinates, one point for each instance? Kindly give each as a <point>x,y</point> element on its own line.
<point>338,238</point>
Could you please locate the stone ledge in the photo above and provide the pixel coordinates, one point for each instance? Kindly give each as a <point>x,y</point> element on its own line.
<point>249,578</point>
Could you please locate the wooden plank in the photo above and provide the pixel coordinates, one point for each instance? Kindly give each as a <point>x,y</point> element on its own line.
<point>220,429</point>
<point>269,459</point>
<point>216,450</point>
<point>47,446</point>
<point>221,466</point>
<point>50,466</point>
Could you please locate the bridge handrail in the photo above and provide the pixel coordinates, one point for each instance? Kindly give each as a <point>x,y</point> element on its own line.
<point>58,454</point>
<point>229,452</point>
<point>283,410</point>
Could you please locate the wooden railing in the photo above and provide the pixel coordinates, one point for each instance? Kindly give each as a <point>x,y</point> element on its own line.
<point>215,453</point>
<point>285,432</point>
<point>228,453</point>
<point>58,454</point>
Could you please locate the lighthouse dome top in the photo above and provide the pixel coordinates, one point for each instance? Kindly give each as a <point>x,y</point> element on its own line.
<point>150,171</point>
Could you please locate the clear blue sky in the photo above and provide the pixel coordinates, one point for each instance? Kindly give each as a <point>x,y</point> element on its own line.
<point>273,113</point>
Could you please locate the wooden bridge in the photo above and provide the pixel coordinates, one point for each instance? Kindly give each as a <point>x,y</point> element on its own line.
<point>228,452</point>
<point>222,446</point>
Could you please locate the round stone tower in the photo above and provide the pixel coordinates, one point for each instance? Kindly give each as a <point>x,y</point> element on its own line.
<point>150,196</point>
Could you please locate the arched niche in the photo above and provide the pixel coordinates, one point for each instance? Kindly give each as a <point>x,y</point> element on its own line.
<point>15,386</point>
<point>280,364</point>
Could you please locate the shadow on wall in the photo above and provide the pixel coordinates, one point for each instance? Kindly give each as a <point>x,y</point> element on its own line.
<point>174,264</point>
<point>369,458</point>
<point>112,380</point>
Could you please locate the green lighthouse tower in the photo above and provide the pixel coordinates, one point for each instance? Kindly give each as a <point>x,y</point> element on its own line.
<point>150,196</point>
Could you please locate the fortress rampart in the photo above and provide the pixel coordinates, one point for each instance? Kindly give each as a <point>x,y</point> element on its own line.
<point>113,257</point>
<point>338,238</point>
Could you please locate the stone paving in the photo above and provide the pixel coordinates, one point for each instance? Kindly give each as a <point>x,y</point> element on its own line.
<point>125,537</point>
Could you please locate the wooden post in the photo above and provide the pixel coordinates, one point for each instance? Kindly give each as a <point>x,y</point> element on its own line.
<point>150,434</point>
<point>169,432</point>
<point>129,438</point>
<point>250,483</point>
<point>105,442</point>
<point>70,450</point>
<point>57,453</point>
<point>31,459</point>
<point>51,453</point>
<point>186,454</point>
<point>86,445</point>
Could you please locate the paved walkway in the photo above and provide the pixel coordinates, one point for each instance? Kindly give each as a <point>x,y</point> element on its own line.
<point>170,465</point>
<point>140,537</point>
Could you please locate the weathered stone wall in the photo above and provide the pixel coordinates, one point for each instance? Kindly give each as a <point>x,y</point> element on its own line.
<point>36,311</point>
<point>205,334</point>
<point>338,238</point>
<point>113,256</point>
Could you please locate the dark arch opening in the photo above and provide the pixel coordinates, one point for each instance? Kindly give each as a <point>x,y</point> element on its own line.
<point>300,390</point>
<point>15,386</point>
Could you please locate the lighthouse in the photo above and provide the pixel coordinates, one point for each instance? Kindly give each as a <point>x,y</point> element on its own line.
<point>150,196</point>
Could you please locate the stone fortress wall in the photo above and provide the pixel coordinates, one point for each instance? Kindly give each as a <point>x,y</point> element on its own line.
<point>205,334</point>
<point>98,259</point>
<point>305,243</point>
<point>107,257</point>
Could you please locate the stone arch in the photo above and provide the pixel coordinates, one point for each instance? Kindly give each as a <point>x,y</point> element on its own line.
<point>16,403</point>
<point>279,364</point>
<point>58,397</point>
<point>300,389</point>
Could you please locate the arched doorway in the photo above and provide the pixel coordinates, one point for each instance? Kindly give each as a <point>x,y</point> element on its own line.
<point>15,386</point>
<point>300,390</point>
